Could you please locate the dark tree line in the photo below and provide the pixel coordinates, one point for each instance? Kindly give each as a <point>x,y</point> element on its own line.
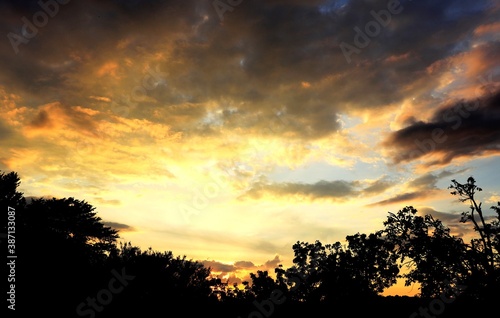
<point>70,265</point>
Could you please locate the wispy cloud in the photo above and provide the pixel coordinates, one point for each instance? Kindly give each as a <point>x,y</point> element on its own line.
<point>337,190</point>
<point>419,188</point>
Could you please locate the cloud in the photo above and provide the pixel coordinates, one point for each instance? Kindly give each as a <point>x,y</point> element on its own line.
<point>244,264</point>
<point>100,98</point>
<point>322,189</point>
<point>271,264</point>
<point>336,190</point>
<point>405,197</point>
<point>452,221</point>
<point>260,74</point>
<point>102,201</point>
<point>219,267</point>
<point>255,62</point>
<point>422,187</point>
<point>5,131</point>
<point>143,100</point>
<point>41,120</point>
<point>240,270</point>
<point>462,129</point>
<point>119,226</point>
<point>429,180</point>
<point>54,118</point>
<point>378,186</point>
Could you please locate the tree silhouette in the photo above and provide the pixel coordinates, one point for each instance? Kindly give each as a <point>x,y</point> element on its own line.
<point>70,222</point>
<point>63,246</point>
<point>160,279</point>
<point>484,252</point>
<point>425,246</point>
<point>487,232</point>
<point>495,233</point>
<point>334,273</point>
<point>69,255</point>
<point>9,196</point>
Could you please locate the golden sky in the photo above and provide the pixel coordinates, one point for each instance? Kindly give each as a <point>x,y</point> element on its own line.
<point>228,133</point>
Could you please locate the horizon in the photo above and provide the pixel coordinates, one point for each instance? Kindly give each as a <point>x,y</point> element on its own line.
<point>227,133</point>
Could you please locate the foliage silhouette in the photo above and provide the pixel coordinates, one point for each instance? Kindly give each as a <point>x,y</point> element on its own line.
<point>426,247</point>
<point>68,257</point>
<point>483,252</point>
<point>9,196</point>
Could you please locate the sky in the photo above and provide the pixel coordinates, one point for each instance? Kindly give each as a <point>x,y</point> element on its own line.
<point>228,130</point>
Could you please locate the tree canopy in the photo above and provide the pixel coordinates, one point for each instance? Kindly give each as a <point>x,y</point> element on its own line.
<point>70,256</point>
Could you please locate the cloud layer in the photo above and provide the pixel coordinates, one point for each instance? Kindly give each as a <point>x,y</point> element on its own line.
<point>254,119</point>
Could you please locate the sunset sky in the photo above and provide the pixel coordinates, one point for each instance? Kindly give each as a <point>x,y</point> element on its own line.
<point>227,131</point>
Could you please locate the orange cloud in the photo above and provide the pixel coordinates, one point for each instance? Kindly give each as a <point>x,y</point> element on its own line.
<point>397,58</point>
<point>101,98</point>
<point>305,84</point>
<point>109,68</point>
<point>493,28</point>
<point>55,119</point>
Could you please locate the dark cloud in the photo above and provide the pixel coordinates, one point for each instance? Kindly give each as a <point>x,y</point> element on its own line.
<point>450,220</point>
<point>244,264</point>
<point>119,226</point>
<point>446,217</point>
<point>30,199</point>
<point>41,120</point>
<point>338,189</point>
<point>429,180</point>
<point>254,61</point>
<point>246,267</point>
<point>462,129</point>
<point>219,267</point>
<point>5,131</point>
<point>406,198</point>
<point>378,186</point>
<point>273,263</point>
<point>56,114</point>
<point>421,187</point>
<point>329,190</point>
